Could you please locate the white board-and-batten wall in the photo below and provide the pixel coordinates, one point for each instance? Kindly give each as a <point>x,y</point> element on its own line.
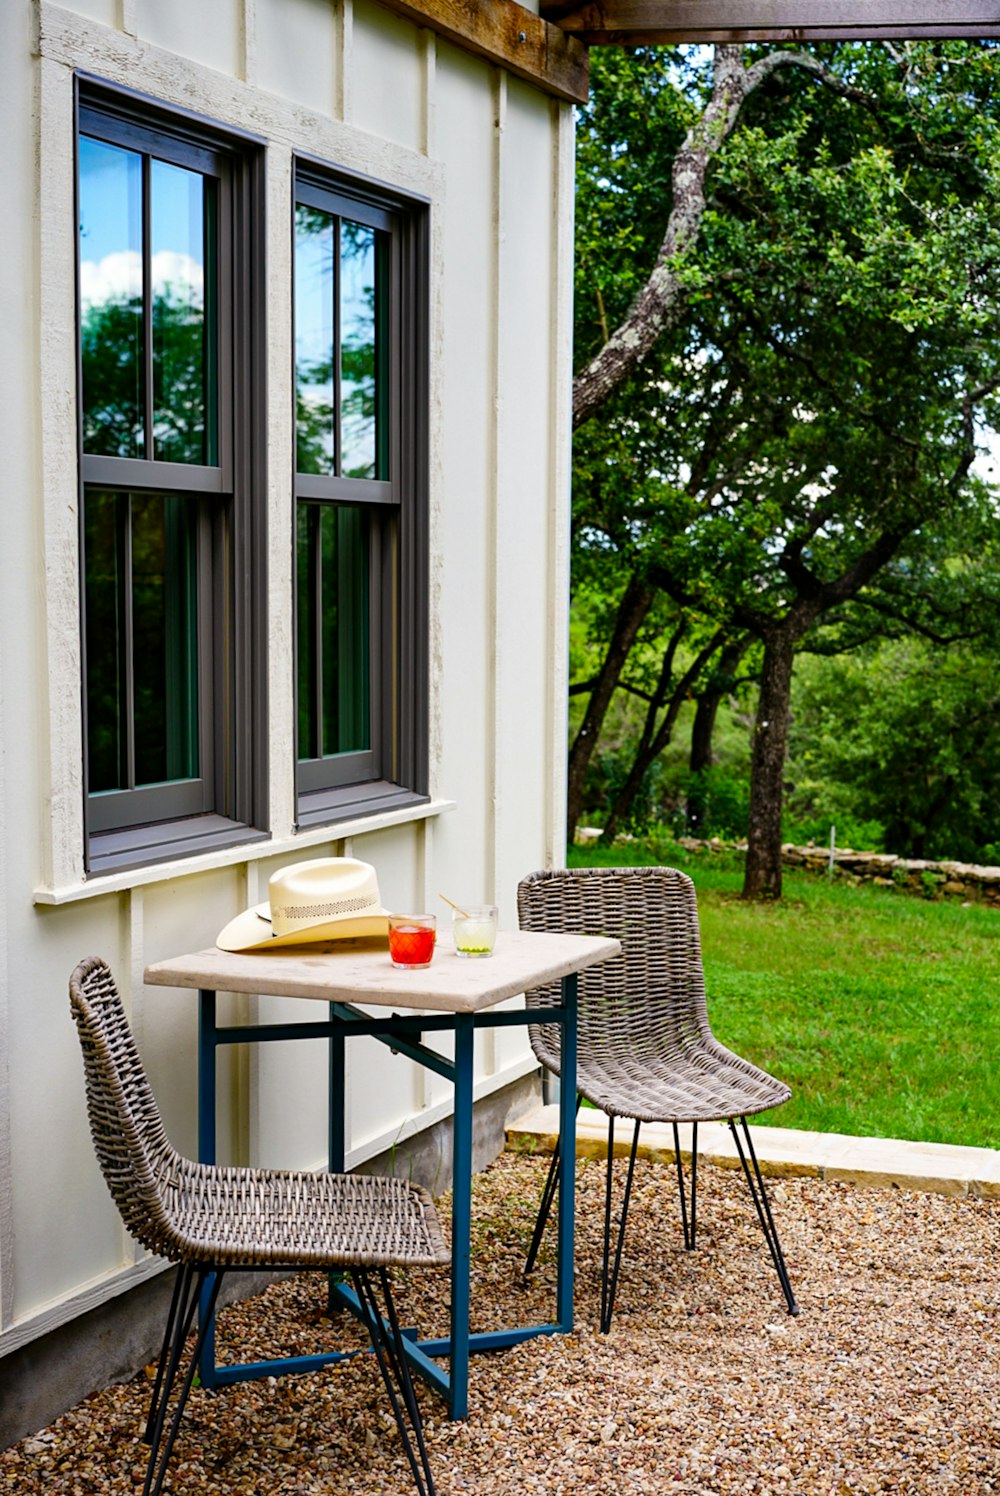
<point>352,86</point>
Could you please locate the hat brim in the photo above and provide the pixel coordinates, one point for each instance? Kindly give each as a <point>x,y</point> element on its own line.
<point>251,930</point>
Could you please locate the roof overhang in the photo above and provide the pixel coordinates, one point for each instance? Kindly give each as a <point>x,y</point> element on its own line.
<point>550,50</point>
<point>640,22</point>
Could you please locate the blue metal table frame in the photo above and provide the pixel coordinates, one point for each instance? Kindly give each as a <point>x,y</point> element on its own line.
<point>403,1034</point>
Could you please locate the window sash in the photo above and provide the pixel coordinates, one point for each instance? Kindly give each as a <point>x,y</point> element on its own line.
<point>321,766</point>
<point>334,788</point>
<point>225,800</point>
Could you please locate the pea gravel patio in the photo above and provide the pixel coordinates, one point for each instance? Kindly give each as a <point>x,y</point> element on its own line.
<point>889,1381</point>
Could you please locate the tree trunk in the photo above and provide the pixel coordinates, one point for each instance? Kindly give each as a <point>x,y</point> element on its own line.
<point>703,728</point>
<point>701,759</point>
<point>654,739</point>
<point>636,602</point>
<point>762,877</point>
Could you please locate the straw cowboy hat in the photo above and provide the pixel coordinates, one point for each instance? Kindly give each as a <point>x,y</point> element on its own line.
<point>328,898</point>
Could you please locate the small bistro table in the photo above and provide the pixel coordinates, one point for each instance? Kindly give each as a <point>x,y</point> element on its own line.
<point>454,995</point>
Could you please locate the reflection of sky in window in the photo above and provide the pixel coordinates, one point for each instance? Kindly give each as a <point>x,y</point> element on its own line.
<point>314,241</point>
<point>313,289</point>
<point>111,226</point>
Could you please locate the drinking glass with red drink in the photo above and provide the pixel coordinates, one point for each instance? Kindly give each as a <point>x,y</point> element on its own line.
<point>411,939</point>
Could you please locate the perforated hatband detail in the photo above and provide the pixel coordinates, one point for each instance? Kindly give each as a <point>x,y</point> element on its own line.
<point>314,912</point>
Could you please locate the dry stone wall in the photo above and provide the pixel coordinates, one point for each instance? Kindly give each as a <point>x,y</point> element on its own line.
<point>969,882</point>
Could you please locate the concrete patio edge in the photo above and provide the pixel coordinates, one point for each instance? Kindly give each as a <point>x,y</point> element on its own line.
<point>939,1168</point>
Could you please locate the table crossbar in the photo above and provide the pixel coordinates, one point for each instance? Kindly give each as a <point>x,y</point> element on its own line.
<point>395,1031</point>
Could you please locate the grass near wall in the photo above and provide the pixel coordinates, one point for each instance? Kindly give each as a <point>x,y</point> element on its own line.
<point>881,1010</point>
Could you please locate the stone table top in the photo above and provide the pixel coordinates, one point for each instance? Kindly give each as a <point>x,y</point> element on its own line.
<point>360,971</point>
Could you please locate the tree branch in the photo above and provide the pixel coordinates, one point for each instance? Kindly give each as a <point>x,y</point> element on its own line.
<point>660,303</point>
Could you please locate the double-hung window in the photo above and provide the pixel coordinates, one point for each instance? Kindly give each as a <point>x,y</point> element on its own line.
<point>171,473</point>
<point>360,497</point>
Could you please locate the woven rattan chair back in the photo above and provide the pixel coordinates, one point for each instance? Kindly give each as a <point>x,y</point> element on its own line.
<point>212,1220</point>
<point>138,1162</point>
<point>651,998</point>
<point>645,1047</point>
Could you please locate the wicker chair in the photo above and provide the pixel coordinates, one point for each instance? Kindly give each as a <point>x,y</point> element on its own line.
<point>646,1050</point>
<point>215,1220</point>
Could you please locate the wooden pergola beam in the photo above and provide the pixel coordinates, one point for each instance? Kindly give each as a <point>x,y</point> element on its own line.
<point>510,36</point>
<point>645,22</point>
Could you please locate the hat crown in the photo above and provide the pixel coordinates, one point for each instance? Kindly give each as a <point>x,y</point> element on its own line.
<point>307,893</point>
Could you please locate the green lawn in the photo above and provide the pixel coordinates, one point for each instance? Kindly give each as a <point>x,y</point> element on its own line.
<point>881,1010</point>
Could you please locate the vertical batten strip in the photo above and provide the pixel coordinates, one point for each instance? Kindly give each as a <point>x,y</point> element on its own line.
<point>246,1079</point>
<point>125,17</point>
<point>428,123</point>
<point>560,476</point>
<point>131,915</point>
<point>247,47</point>
<point>344,62</point>
<point>497,574</point>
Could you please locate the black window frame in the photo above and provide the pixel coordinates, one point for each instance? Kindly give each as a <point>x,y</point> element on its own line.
<point>393,772</point>
<point>228,803</point>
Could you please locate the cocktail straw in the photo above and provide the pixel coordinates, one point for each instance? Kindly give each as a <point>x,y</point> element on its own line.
<point>453,905</point>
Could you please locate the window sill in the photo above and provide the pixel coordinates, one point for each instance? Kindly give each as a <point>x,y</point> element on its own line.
<point>168,841</point>
<point>246,851</point>
<point>350,802</point>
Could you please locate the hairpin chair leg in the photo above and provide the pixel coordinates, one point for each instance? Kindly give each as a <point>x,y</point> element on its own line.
<point>545,1205</point>
<point>609,1284</point>
<point>182,1313</point>
<point>387,1343</point>
<point>756,1182</point>
<point>181,1281</point>
<point>687,1223</point>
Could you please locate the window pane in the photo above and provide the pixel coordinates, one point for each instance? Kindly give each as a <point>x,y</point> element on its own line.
<point>165,637</point>
<point>358,390</point>
<point>334,689</point>
<point>104,542</point>
<point>307,650</point>
<point>182,236</point>
<point>345,630</point>
<point>111,299</point>
<point>141,636</point>
<point>315,236</point>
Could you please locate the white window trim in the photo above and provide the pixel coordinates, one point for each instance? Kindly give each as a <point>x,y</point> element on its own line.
<point>65,41</point>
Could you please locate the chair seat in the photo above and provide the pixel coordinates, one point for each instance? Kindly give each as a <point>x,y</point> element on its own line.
<point>645,1047</point>
<point>262,1217</point>
<point>703,1083</point>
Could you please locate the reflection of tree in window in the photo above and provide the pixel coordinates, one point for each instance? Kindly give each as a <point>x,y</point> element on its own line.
<point>148,254</point>
<point>314,398</point>
<point>357,350</point>
<point>141,639</point>
<point>109,380</point>
<point>329,308</point>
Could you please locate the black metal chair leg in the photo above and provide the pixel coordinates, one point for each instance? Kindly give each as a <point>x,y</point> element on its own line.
<point>157,1468</point>
<point>179,1321</point>
<point>387,1343</point>
<point>609,1287</point>
<point>756,1182</point>
<point>181,1278</point>
<point>545,1205</point>
<point>687,1223</point>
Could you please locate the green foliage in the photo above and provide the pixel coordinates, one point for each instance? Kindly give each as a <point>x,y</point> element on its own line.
<point>907,736</point>
<point>795,455</point>
<point>627,135</point>
<point>723,796</point>
<point>879,1012</point>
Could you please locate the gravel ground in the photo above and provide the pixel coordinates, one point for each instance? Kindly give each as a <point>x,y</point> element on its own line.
<point>888,1381</point>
